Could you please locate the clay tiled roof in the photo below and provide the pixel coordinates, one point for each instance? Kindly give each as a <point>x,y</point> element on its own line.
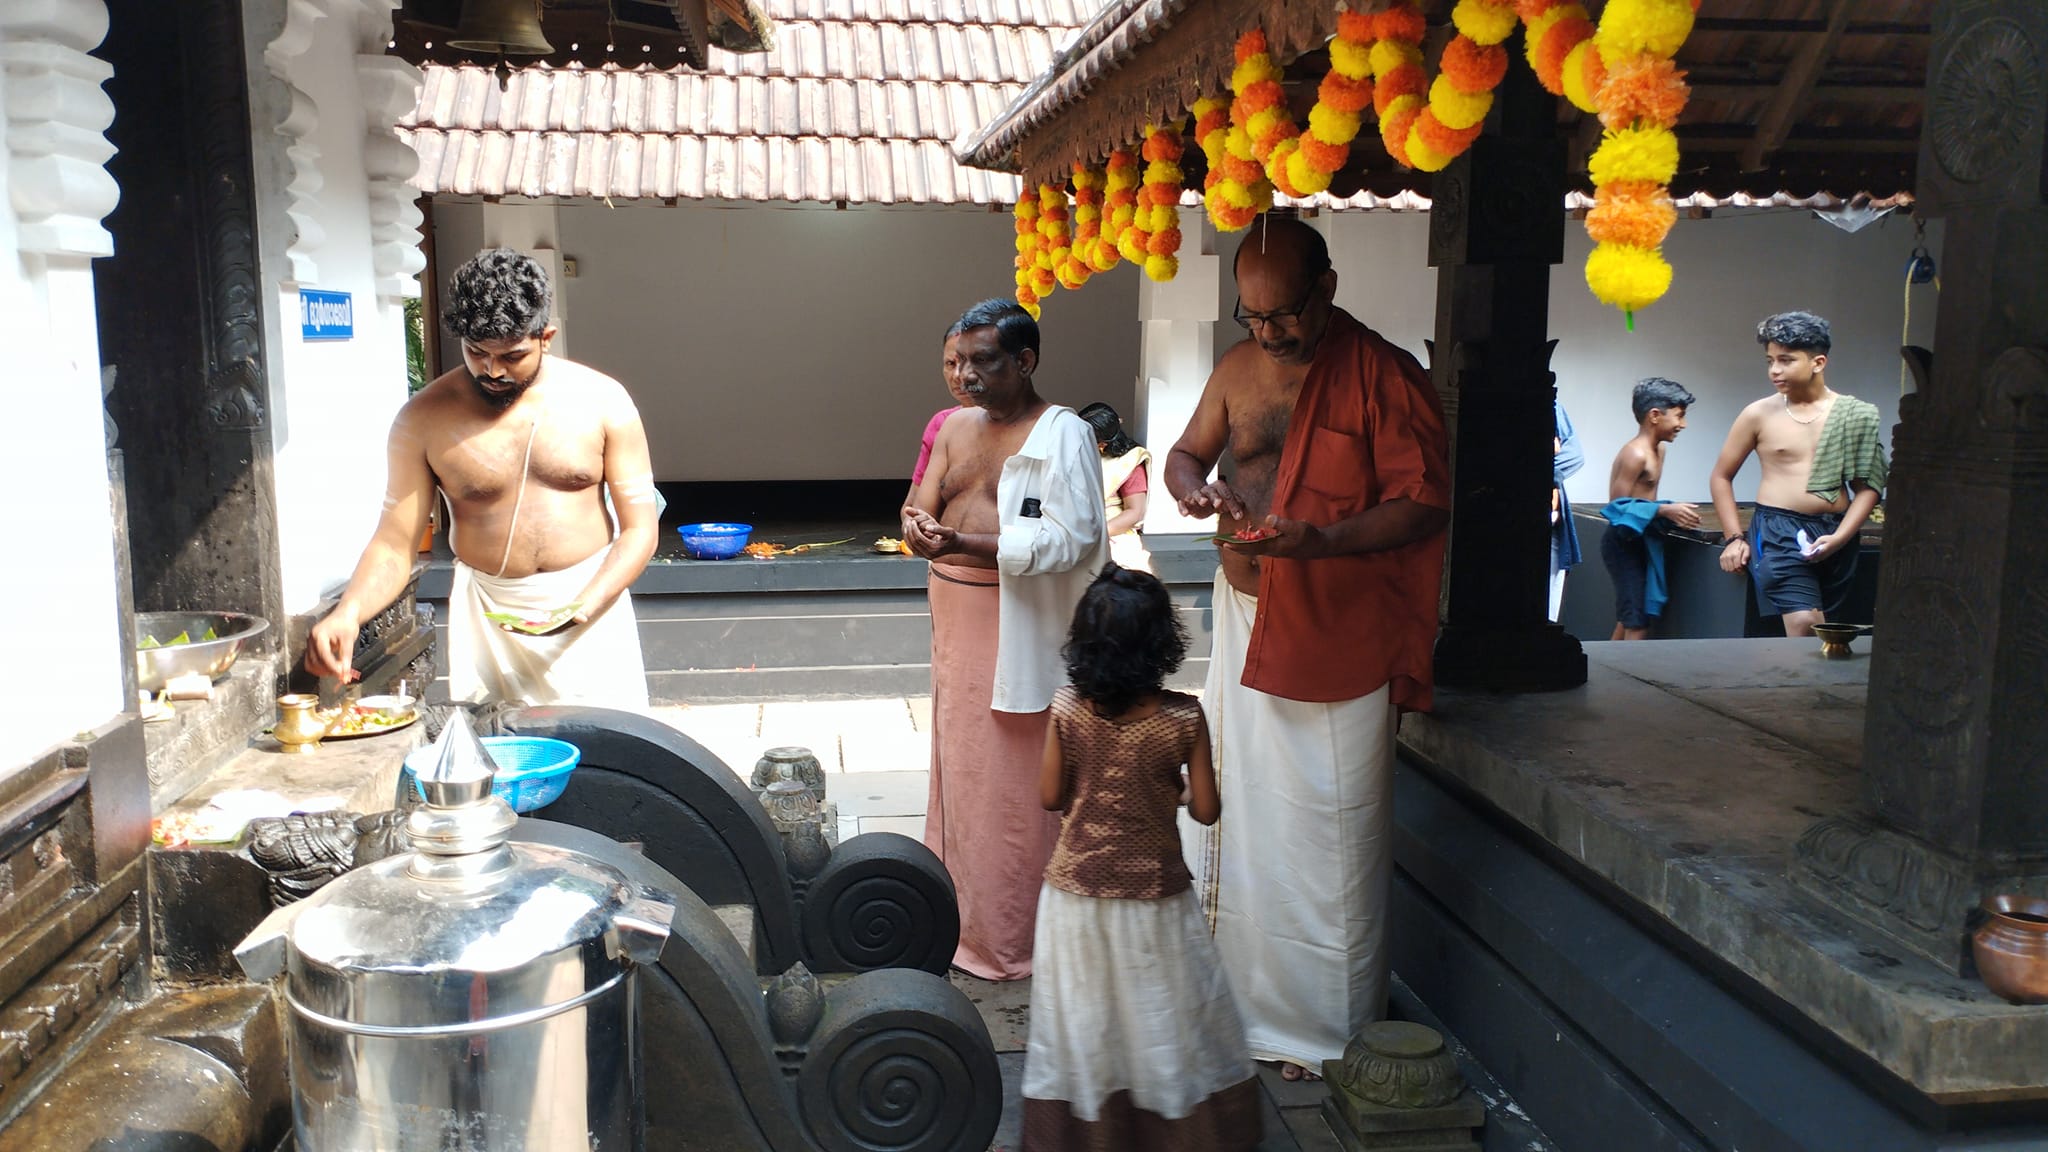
<point>860,100</point>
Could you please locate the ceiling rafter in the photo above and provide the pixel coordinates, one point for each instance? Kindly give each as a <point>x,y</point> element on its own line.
<point>1800,77</point>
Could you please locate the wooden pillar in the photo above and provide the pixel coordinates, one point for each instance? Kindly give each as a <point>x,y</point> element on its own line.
<point>1496,230</point>
<point>1955,752</point>
<point>181,315</point>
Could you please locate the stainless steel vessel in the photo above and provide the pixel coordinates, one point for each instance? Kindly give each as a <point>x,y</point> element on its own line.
<point>472,995</point>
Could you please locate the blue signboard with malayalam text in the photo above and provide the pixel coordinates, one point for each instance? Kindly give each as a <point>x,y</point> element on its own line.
<point>325,315</point>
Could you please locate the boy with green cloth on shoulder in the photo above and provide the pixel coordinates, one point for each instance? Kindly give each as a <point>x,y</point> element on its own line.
<point>1824,470</point>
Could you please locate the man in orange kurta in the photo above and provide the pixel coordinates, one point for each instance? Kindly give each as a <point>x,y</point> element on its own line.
<point>1323,632</point>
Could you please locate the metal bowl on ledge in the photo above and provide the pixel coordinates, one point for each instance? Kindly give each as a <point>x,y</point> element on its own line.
<point>155,666</point>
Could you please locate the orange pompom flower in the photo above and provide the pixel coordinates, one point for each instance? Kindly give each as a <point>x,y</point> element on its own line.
<point>1644,88</point>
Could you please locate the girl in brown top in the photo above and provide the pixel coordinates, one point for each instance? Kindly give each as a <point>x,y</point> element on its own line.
<point>1135,1042</point>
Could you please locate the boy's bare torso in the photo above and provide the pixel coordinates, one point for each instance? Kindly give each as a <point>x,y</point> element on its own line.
<point>975,451</point>
<point>1259,394</point>
<point>477,455</point>
<point>1787,437</point>
<point>1638,469</point>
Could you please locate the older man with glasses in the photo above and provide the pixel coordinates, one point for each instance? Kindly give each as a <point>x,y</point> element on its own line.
<point>1325,616</point>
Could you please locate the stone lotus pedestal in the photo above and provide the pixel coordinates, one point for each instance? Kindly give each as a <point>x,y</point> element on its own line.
<point>800,765</point>
<point>1397,1089</point>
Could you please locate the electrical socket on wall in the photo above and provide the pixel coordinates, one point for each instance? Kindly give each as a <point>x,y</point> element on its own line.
<point>568,267</point>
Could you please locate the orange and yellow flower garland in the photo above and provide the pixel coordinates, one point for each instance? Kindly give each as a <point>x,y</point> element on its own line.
<point>1472,67</point>
<point>1398,82</point>
<point>1341,100</point>
<point>1242,191</point>
<point>1028,241</point>
<point>1159,202</point>
<point>1056,238</point>
<point>1640,100</point>
<point>1558,37</point>
<point>1087,225</point>
<point>1120,204</point>
<point>1212,128</point>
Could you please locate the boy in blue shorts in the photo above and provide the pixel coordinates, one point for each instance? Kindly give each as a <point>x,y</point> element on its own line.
<point>1633,547</point>
<point>1824,469</point>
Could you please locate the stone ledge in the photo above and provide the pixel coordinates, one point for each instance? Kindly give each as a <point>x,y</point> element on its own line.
<point>1683,773</point>
<point>208,733</point>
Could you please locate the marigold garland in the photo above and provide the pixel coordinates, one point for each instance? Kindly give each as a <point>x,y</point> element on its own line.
<point>1557,35</point>
<point>1241,190</point>
<point>1341,100</point>
<point>1159,201</point>
<point>1087,224</point>
<point>1120,203</point>
<point>1640,96</point>
<point>1398,82</point>
<point>1460,97</point>
<point>1026,213</point>
<point>1052,239</point>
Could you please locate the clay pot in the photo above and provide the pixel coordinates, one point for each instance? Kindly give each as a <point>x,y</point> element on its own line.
<point>2011,948</point>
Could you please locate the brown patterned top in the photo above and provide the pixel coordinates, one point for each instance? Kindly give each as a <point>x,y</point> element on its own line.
<point>1120,838</point>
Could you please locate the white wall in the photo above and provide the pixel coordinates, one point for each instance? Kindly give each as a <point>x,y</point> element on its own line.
<point>1732,270</point>
<point>777,343</point>
<point>332,401</point>
<point>63,627</point>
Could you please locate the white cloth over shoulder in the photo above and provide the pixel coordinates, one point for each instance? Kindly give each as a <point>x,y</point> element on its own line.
<point>1049,547</point>
<point>1126,995</point>
<point>1295,875</point>
<point>596,664</point>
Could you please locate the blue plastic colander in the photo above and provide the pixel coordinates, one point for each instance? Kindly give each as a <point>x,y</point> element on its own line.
<point>532,770</point>
<point>715,541</point>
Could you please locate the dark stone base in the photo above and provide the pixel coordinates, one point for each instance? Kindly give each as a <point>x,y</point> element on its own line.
<point>1545,658</point>
<point>1916,894</point>
<point>1364,1126</point>
<point>1609,1034</point>
<point>191,1071</point>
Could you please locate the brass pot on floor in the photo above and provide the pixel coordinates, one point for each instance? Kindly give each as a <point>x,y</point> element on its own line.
<point>2011,948</point>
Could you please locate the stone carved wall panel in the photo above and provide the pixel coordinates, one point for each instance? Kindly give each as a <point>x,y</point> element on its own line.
<point>57,116</point>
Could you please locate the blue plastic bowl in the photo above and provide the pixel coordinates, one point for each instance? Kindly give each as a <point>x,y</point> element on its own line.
<point>715,541</point>
<point>532,770</point>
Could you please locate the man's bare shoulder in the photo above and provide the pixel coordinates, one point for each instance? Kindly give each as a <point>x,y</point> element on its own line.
<point>1633,453</point>
<point>583,385</point>
<point>445,395</point>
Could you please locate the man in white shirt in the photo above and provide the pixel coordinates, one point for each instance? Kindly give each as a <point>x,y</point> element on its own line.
<point>1010,514</point>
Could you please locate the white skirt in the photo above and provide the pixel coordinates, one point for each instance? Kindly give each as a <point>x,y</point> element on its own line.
<point>1129,996</point>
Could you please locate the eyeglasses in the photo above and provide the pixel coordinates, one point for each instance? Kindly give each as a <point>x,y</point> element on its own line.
<point>1276,319</point>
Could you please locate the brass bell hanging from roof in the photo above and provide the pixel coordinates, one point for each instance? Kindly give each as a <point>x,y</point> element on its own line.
<point>501,28</point>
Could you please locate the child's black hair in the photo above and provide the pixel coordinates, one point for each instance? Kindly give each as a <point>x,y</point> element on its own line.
<point>1799,331</point>
<point>1125,641</point>
<point>1657,392</point>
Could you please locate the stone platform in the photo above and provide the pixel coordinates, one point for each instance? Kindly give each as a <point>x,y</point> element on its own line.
<point>1674,786</point>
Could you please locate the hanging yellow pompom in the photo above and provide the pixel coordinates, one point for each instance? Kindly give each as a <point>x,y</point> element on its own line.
<point>1628,278</point>
<point>1455,109</point>
<point>1331,126</point>
<point>1306,178</point>
<point>1484,22</point>
<point>1388,55</point>
<point>1162,267</point>
<point>1635,27</point>
<point>1353,60</point>
<point>1131,245</point>
<point>1635,154</point>
<point>1422,157</point>
<point>1575,65</point>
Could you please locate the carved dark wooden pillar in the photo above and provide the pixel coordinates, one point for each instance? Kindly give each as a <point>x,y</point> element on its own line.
<point>180,311</point>
<point>1955,751</point>
<point>1496,229</point>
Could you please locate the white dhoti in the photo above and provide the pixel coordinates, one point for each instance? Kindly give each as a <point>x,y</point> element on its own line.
<point>1294,876</point>
<point>597,664</point>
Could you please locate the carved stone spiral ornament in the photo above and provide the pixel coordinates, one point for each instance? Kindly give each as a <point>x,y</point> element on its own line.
<point>906,1089</point>
<point>1985,102</point>
<point>878,904</point>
